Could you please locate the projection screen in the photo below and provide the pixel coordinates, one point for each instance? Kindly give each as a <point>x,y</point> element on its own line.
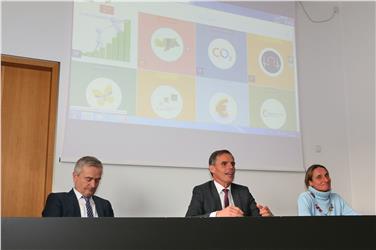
<point>165,84</point>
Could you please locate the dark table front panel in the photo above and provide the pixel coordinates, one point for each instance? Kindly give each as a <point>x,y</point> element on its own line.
<point>345,232</point>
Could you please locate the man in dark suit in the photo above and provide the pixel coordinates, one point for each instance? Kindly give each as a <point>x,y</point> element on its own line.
<point>80,201</point>
<point>220,197</point>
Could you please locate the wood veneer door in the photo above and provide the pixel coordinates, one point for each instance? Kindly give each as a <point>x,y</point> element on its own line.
<point>28,117</point>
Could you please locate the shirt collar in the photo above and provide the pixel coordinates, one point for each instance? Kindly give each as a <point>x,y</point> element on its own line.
<point>78,194</point>
<point>220,188</point>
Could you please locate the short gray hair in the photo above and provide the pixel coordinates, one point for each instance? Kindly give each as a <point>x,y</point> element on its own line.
<point>87,161</point>
<point>215,154</point>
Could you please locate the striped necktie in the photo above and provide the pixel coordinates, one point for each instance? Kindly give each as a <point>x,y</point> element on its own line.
<point>89,209</point>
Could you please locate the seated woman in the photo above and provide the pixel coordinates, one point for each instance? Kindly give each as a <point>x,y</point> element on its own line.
<point>319,200</point>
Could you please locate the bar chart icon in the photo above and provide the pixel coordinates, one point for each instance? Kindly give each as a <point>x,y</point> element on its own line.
<point>117,49</point>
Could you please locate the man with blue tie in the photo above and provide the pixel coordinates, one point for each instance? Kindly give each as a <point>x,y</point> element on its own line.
<point>221,197</point>
<point>80,201</point>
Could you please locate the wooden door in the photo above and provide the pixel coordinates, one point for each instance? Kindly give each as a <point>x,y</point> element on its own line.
<point>28,116</point>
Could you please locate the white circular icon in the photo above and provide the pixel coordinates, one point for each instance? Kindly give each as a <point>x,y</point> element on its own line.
<point>103,93</point>
<point>271,62</point>
<point>166,102</point>
<point>273,113</point>
<point>167,44</point>
<point>223,108</point>
<point>222,54</point>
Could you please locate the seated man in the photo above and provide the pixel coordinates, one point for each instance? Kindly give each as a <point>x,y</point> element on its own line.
<point>319,200</point>
<point>220,197</point>
<point>80,201</point>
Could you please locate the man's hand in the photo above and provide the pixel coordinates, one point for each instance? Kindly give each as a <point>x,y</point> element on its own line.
<point>230,211</point>
<point>264,210</point>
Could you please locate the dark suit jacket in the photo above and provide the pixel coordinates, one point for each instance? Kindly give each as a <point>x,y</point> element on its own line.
<point>205,199</point>
<point>66,205</point>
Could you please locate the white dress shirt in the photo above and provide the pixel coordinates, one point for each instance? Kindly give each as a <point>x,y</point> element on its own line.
<point>82,203</point>
<point>220,188</point>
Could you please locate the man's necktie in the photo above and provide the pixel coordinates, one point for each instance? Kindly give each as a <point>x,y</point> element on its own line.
<point>89,209</point>
<point>226,201</point>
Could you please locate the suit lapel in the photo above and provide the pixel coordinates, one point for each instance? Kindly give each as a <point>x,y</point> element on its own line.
<point>98,207</point>
<point>235,196</point>
<point>74,202</point>
<point>215,195</point>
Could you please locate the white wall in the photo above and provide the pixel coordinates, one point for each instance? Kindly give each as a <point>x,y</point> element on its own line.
<point>359,79</point>
<point>337,97</point>
<point>322,96</point>
<point>328,101</point>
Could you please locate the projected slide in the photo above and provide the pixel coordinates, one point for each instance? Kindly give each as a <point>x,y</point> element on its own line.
<point>200,70</point>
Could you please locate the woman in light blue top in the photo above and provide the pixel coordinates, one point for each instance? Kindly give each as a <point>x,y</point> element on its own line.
<point>319,200</point>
